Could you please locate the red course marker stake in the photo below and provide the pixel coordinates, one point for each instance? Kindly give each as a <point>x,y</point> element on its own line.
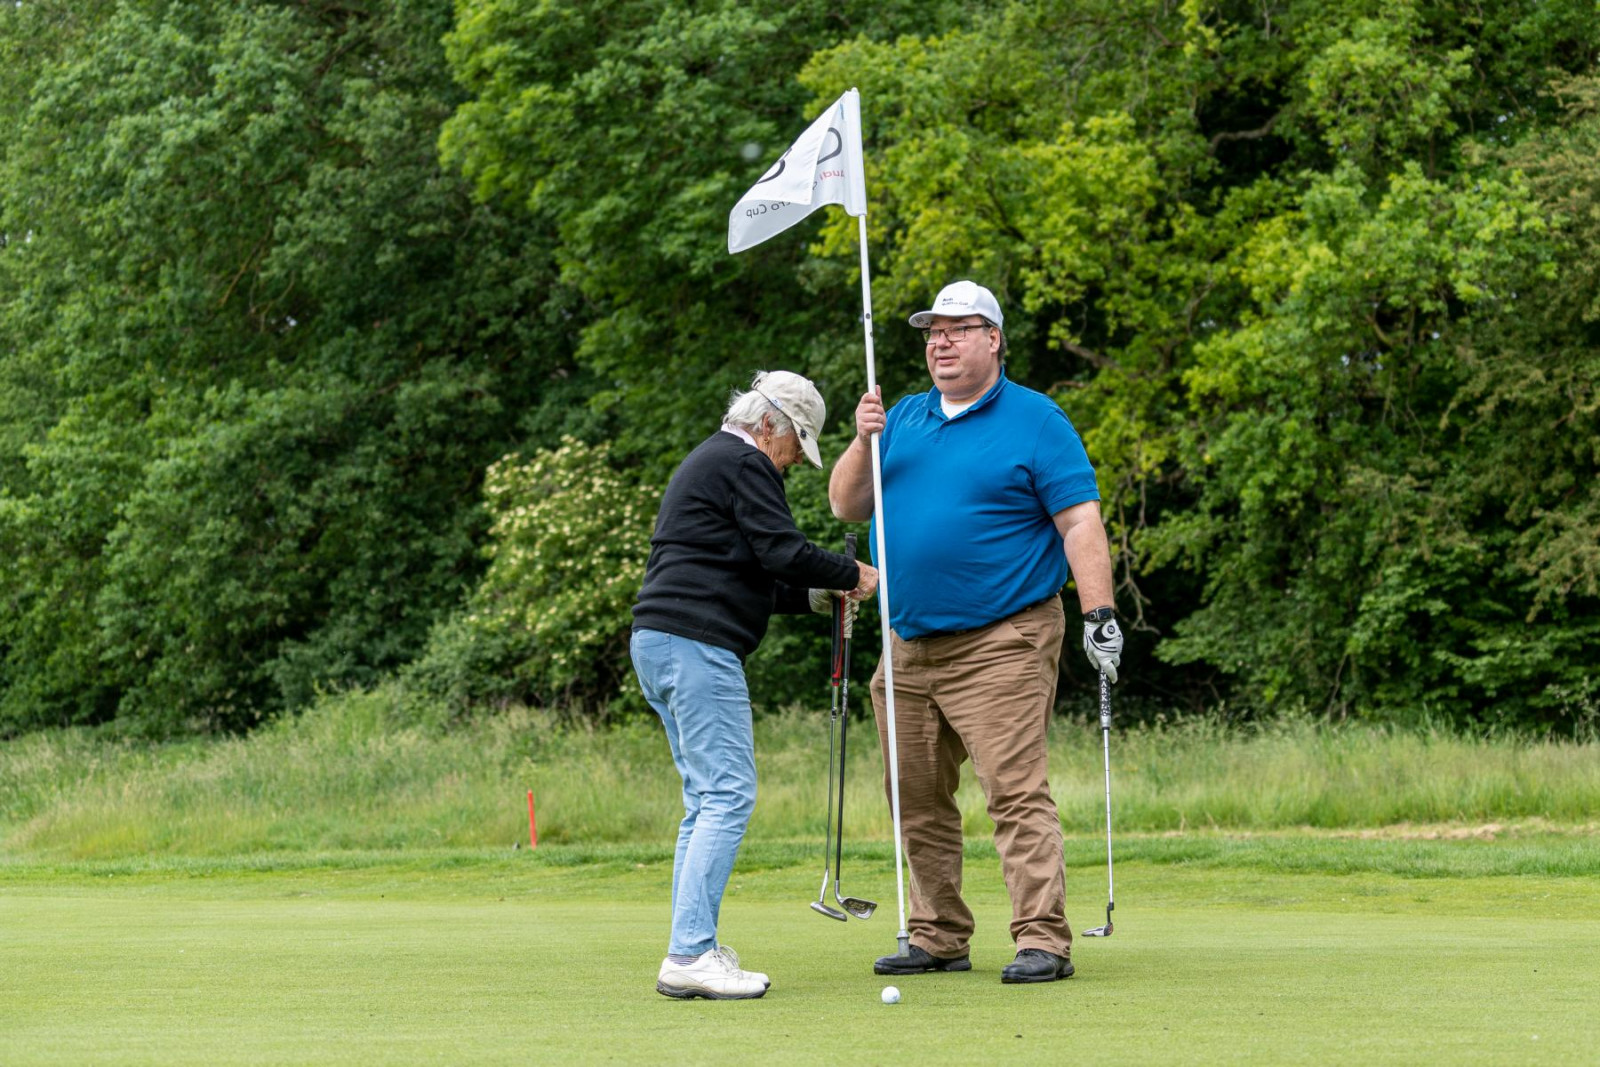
<point>533,830</point>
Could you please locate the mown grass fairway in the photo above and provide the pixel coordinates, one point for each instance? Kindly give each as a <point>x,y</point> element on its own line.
<point>1277,949</point>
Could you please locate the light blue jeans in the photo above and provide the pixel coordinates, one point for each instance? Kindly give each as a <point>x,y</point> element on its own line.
<point>700,693</point>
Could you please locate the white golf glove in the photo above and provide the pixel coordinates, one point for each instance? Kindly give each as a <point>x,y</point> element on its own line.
<point>822,603</point>
<point>1102,642</point>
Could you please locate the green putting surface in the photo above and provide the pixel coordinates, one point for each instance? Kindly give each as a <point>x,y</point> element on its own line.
<point>487,959</point>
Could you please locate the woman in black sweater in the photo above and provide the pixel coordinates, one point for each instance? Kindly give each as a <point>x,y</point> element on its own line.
<point>725,555</point>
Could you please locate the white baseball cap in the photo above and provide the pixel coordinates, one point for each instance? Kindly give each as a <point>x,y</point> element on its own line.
<point>958,299</point>
<point>797,398</point>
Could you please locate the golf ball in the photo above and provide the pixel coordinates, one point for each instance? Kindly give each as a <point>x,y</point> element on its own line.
<point>891,995</point>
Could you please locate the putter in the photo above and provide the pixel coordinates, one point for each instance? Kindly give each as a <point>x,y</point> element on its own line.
<point>1105,746</point>
<point>859,907</point>
<point>820,905</point>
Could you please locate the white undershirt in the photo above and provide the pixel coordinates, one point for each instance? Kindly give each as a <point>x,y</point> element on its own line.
<point>951,409</point>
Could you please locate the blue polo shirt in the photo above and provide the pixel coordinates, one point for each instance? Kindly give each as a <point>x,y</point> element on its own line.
<point>969,501</point>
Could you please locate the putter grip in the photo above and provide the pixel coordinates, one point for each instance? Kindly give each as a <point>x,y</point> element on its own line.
<point>850,545</point>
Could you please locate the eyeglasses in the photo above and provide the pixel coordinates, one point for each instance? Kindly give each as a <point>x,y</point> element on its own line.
<point>954,334</point>
<point>801,430</point>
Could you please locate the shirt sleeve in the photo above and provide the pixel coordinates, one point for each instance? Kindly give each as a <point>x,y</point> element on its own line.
<point>792,599</point>
<point>1062,473</point>
<point>891,422</point>
<point>763,517</point>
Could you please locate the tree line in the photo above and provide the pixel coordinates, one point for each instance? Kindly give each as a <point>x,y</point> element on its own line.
<point>343,342</point>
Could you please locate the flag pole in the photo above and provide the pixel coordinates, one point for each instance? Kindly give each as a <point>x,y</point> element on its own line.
<point>883,597</point>
<point>803,179</point>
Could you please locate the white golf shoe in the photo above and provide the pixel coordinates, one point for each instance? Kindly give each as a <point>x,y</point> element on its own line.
<point>734,956</point>
<point>714,975</point>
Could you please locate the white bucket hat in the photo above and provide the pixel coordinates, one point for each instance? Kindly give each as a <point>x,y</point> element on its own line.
<point>958,299</point>
<point>798,399</point>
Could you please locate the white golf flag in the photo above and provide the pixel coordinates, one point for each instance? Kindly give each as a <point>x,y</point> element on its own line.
<point>822,167</point>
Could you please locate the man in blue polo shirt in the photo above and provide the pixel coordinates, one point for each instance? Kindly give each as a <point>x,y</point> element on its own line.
<point>990,498</point>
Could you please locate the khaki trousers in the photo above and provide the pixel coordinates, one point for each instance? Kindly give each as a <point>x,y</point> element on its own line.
<point>986,694</point>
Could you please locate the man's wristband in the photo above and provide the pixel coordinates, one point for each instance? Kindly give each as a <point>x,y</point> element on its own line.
<point>1100,615</point>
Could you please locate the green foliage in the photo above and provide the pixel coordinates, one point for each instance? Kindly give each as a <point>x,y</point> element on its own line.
<point>1317,281</point>
<point>1277,262</point>
<point>629,129</point>
<point>255,351</point>
<point>1316,454</point>
<point>549,622</point>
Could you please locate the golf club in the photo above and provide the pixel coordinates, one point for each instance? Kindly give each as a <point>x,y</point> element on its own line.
<point>820,905</point>
<point>859,907</point>
<point>1105,746</point>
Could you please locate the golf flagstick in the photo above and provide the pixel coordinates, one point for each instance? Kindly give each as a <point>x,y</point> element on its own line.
<point>1105,748</point>
<point>806,177</point>
<point>903,936</point>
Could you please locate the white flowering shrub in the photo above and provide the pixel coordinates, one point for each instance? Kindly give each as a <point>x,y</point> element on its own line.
<point>549,622</point>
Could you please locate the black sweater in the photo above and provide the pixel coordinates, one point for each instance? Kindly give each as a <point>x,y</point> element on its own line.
<point>726,553</point>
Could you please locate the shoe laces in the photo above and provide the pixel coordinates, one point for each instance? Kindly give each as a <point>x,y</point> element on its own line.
<point>729,958</point>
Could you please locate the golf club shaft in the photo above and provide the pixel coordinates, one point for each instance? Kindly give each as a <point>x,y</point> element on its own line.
<point>828,826</point>
<point>833,721</point>
<point>844,734</point>
<point>859,907</point>
<point>1105,747</point>
<point>841,681</point>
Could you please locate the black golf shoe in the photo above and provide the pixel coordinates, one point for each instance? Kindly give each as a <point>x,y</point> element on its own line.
<point>919,961</point>
<point>1036,965</point>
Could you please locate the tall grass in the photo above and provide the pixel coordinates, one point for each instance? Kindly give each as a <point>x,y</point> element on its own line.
<point>350,774</point>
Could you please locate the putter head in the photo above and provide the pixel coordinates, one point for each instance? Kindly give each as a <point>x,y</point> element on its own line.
<point>1101,931</point>
<point>861,909</point>
<point>822,909</point>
